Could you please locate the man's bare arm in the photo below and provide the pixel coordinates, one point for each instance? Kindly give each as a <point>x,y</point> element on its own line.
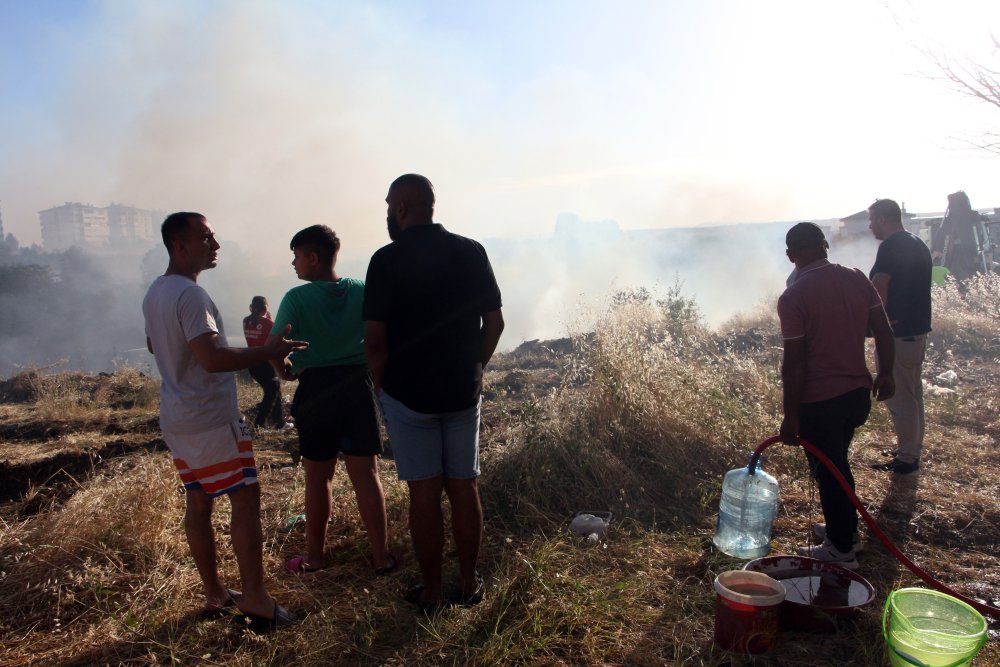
<point>492,328</point>
<point>215,357</point>
<point>376,352</point>
<point>793,379</point>
<point>881,282</point>
<point>885,351</point>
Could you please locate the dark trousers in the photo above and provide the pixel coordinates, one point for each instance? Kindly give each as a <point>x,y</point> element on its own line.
<point>829,425</point>
<point>270,405</point>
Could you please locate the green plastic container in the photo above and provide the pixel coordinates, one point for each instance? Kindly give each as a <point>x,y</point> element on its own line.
<point>939,275</point>
<point>931,629</point>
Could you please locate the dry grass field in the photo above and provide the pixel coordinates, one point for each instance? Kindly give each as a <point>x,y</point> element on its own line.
<point>640,417</point>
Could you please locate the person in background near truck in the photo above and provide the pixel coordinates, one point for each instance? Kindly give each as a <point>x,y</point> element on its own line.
<point>958,240</point>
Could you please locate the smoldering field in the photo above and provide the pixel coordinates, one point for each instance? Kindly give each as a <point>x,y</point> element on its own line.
<point>641,415</point>
<point>80,310</point>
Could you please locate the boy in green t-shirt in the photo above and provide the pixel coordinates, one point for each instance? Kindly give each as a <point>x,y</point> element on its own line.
<point>334,407</point>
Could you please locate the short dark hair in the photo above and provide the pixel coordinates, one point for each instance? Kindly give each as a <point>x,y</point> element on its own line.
<point>319,239</point>
<point>175,225</point>
<point>805,235</point>
<point>887,208</point>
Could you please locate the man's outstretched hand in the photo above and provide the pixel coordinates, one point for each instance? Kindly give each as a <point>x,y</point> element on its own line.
<point>281,346</point>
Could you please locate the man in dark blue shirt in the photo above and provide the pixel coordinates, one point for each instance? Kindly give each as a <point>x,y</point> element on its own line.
<point>902,276</point>
<point>432,321</point>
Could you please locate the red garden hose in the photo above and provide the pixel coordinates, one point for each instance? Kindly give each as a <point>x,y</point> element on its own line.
<point>981,607</point>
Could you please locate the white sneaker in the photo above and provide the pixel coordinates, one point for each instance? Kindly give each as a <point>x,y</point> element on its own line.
<point>819,530</point>
<point>828,553</point>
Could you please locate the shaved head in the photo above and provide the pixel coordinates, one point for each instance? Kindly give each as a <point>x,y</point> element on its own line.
<point>416,192</point>
<point>411,203</point>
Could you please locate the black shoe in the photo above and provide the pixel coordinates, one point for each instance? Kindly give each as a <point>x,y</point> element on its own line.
<point>463,599</point>
<point>262,625</point>
<point>415,595</point>
<point>898,467</point>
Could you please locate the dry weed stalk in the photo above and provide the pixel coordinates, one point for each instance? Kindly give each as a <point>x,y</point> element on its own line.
<point>648,413</point>
<point>966,314</point>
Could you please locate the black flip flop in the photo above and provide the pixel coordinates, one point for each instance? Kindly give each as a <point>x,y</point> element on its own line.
<point>413,596</point>
<point>261,625</point>
<point>388,569</point>
<point>230,603</point>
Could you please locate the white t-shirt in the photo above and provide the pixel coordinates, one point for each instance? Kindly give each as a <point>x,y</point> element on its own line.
<point>192,400</point>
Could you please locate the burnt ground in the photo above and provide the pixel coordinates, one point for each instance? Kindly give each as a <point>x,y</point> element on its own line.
<point>42,459</point>
<point>55,478</point>
<point>46,451</point>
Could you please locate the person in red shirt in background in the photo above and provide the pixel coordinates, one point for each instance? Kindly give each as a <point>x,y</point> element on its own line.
<point>256,328</point>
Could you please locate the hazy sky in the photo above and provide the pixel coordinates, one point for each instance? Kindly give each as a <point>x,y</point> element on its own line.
<point>270,116</point>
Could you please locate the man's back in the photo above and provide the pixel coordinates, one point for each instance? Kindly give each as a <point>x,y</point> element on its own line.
<point>327,314</point>
<point>907,261</point>
<point>829,305</point>
<point>431,288</point>
<point>176,310</point>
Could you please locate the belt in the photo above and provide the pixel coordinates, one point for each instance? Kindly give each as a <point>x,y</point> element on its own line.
<point>908,339</point>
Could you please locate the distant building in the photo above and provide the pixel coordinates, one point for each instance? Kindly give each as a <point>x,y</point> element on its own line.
<point>856,225</point>
<point>128,225</point>
<point>94,227</point>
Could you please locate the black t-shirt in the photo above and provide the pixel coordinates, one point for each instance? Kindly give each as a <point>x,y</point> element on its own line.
<point>907,261</point>
<point>431,288</point>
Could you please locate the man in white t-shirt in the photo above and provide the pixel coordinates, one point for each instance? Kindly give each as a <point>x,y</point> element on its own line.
<point>200,419</point>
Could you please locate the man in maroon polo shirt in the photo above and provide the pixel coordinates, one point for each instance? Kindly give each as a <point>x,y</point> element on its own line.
<point>825,315</point>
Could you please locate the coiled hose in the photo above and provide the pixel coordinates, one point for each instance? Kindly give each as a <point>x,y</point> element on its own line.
<point>981,607</point>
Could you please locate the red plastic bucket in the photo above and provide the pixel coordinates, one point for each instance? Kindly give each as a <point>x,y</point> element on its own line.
<point>747,605</point>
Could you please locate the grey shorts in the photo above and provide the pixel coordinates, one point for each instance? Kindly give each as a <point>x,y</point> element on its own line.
<point>428,445</point>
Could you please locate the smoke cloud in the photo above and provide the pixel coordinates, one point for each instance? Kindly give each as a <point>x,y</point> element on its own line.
<point>75,310</point>
<point>269,117</point>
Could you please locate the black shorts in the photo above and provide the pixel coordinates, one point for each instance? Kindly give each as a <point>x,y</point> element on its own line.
<point>334,410</point>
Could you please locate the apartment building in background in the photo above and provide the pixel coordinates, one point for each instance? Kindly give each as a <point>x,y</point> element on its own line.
<point>95,227</point>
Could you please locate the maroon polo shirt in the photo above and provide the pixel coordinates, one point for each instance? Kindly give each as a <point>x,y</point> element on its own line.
<point>828,305</point>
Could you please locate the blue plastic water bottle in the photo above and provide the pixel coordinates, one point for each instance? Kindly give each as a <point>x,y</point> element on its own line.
<point>747,508</point>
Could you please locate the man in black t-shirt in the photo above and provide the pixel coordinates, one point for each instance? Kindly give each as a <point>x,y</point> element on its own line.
<point>902,276</point>
<point>433,319</point>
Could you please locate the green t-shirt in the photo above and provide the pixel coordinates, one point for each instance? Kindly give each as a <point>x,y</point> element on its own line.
<point>328,316</point>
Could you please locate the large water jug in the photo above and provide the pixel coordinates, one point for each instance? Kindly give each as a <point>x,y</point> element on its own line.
<point>746,511</point>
